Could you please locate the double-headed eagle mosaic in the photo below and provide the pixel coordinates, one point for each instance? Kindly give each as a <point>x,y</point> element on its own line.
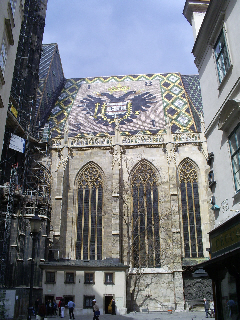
<point>105,107</point>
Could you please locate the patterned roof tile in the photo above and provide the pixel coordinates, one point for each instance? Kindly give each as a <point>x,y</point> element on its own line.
<point>140,102</point>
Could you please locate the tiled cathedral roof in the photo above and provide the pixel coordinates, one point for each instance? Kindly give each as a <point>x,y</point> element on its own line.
<point>141,103</point>
<point>51,81</point>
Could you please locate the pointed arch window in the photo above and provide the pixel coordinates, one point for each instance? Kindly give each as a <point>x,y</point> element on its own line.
<point>145,217</point>
<point>191,218</point>
<point>89,220</point>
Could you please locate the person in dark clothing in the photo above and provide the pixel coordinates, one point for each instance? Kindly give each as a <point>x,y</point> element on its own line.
<point>59,308</point>
<point>42,311</point>
<point>113,307</point>
<point>206,306</point>
<point>37,306</point>
<point>54,308</point>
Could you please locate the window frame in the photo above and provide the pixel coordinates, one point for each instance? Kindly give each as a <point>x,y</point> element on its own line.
<point>3,55</point>
<point>90,196</point>
<point>86,281</point>
<point>234,154</point>
<point>66,277</point>
<point>145,207</point>
<point>49,281</point>
<point>112,280</point>
<point>13,5</point>
<point>222,58</point>
<point>191,220</point>
<point>85,297</point>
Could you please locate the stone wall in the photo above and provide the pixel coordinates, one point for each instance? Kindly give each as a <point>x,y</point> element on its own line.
<point>116,161</point>
<point>153,291</point>
<point>197,289</point>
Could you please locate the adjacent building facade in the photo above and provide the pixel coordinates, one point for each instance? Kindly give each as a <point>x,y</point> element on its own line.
<point>216,51</point>
<point>11,17</point>
<point>21,31</point>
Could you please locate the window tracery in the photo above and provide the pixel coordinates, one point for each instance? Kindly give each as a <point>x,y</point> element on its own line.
<point>89,220</point>
<point>191,218</point>
<point>145,217</point>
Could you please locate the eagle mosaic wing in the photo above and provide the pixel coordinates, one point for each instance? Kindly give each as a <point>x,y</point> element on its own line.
<point>142,102</point>
<point>90,102</point>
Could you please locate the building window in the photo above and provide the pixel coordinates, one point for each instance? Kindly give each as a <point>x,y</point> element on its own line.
<point>109,278</point>
<point>50,277</point>
<point>89,220</point>
<point>221,56</point>
<point>234,142</point>
<point>87,302</point>
<point>69,277</point>
<point>13,4</point>
<point>3,56</point>
<point>145,216</point>
<point>191,219</point>
<point>89,277</point>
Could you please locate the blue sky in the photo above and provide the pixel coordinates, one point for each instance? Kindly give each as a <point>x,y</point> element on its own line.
<point>120,37</point>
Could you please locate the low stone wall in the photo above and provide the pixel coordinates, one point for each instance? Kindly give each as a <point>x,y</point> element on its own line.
<point>152,292</point>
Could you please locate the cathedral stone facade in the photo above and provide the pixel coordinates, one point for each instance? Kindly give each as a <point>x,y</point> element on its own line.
<point>129,191</point>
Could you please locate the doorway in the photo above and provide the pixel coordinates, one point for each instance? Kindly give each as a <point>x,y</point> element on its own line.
<point>49,305</point>
<point>108,304</point>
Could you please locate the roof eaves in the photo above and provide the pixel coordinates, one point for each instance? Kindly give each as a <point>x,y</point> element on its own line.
<point>82,265</point>
<point>194,5</point>
<point>213,17</point>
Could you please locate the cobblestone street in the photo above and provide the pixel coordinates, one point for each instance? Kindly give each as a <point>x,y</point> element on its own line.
<point>188,315</point>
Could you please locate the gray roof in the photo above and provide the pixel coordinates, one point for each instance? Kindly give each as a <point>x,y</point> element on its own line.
<point>83,264</point>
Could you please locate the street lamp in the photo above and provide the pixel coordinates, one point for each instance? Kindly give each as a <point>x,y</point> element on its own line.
<point>35,223</point>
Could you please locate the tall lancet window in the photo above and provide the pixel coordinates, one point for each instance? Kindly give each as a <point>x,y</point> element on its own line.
<point>89,220</point>
<point>145,217</point>
<point>191,219</point>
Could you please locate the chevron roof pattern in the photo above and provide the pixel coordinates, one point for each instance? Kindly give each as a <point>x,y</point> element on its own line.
<point>142,103</point>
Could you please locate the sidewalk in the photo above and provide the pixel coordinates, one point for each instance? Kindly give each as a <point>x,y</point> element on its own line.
<point>186,315</point>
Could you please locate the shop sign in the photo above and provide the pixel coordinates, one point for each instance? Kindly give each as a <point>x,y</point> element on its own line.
<point>227,240</point>
<point>17,143</point>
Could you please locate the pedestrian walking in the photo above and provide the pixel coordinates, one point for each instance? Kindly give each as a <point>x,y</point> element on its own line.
<point>62,309</point>
<point>71,306</point>
<point>206,307</point>
<point>54,308</point>
<point>59,308</point>
<point>96,312</point>
<point>212,309</point>
<point>113,307</point>
<point>42,311</point>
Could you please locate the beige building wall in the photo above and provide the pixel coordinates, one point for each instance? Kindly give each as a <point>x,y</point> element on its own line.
<point>79,288</point>
<point>11,16</point>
